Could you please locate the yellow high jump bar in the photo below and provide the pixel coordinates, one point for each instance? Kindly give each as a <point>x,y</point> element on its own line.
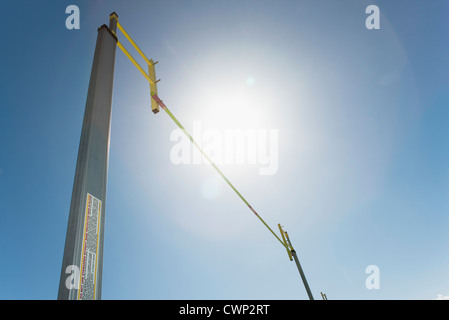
<point>155,100</point>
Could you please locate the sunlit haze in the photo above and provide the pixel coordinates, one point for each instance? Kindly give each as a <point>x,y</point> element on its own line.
<point>336,131</point>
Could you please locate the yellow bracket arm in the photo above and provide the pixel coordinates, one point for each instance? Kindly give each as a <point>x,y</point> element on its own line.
<point>151,76</point>
<point>286,244</point>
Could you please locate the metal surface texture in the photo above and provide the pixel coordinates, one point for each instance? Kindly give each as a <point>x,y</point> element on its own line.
<point>83,251</point>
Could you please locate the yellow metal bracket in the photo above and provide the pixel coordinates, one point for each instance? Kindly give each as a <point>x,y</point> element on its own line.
<point>287,245</point>
<point>151,76</point>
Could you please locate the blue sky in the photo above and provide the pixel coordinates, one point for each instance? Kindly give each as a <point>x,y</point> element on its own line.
<point>363,148</point>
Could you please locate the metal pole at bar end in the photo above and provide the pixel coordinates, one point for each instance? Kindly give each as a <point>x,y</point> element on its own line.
<point>113,15</point>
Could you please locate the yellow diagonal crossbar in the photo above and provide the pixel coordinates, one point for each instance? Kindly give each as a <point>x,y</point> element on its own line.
<point>159,102</point>
<point>163,106</point>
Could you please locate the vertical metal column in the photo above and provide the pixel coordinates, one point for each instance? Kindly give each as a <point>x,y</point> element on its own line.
<point>82,264</point>
<point>298,265</point>
<point>303,277</point>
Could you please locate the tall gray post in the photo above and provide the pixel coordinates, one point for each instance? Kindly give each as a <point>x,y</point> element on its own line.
<point>82,264</point>
<point>303,276</point>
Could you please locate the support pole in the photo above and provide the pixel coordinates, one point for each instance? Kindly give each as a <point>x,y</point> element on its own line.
<point>82,264</point>
<point>303,277</point>
<point>301,272</point>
